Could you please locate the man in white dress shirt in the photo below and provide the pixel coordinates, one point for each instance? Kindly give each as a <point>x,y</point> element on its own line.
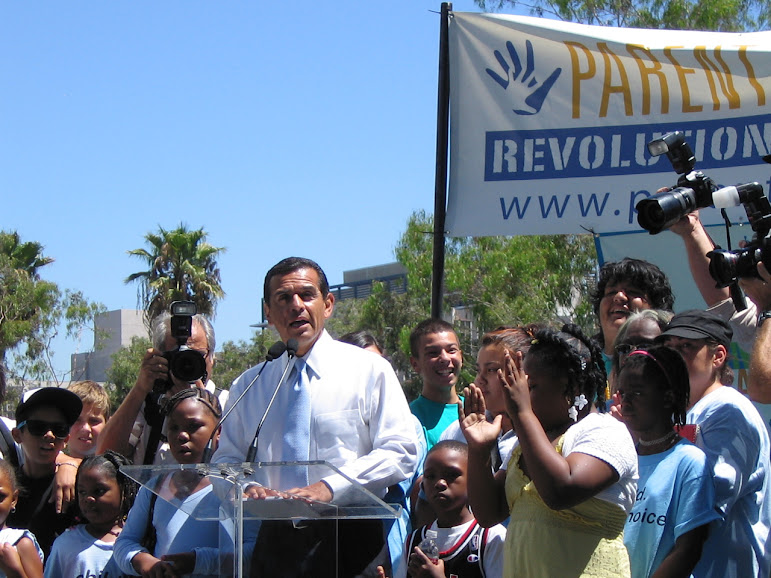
<point>359,421</point>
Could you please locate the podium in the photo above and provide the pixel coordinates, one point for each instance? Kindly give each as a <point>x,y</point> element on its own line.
<point>239,519</point>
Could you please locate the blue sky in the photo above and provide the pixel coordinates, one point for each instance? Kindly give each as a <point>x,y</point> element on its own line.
<point>281,128</point>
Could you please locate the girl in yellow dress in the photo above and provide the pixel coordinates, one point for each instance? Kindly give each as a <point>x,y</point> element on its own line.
<point>572,478</point>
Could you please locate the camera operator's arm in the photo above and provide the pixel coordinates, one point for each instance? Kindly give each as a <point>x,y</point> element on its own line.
<point>759,380</point>
<point>117,431</point>
<point>697,244</point>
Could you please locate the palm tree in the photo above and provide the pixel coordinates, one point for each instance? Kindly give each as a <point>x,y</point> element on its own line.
<point>181,266</point>
<point>25,257</point>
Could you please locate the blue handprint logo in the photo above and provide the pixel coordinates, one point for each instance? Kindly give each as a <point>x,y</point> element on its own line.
<point>528,91</point>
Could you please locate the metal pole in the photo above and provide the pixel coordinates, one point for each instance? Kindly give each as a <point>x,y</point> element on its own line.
<point>440,179</point>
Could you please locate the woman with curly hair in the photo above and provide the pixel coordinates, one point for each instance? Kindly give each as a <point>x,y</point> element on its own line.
<point>571,480</point>
<point>624,287</point>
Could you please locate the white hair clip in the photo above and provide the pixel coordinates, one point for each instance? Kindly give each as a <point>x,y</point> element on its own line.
<point>579,404</point>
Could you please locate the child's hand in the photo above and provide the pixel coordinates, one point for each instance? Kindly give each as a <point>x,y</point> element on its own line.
<point>615,407</point>
<point>161,570</point>
<point>515,384</point>
<point>421,566</point>
<point>148,566</point>
<point>64,487</point>
<point>10,561</point>
<point>479,433</point>
<point>183,563</point>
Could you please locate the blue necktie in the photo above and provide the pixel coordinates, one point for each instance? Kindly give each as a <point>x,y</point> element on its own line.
<point>298,425</point>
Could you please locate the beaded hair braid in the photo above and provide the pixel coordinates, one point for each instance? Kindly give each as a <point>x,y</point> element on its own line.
<point>111,462</point>
<point>578,355</point>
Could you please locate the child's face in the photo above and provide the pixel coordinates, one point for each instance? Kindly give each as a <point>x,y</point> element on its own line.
<point>85,432</point>
<point>547,393</point>
<point>42,449</point>
<point>99,496</point>
<point>444,480</point>
<point>8,497</point>
<point>645,404</point>
<point>189,426</point>
<point>489,360</point>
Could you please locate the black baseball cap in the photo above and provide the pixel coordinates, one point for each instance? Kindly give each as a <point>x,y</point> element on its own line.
<point>63,399</point>
<point>698,324</point>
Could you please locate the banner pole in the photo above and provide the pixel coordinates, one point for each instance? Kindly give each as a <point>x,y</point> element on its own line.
<point>440,179</point>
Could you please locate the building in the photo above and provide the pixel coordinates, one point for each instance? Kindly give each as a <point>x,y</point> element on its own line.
<point>112,331</point>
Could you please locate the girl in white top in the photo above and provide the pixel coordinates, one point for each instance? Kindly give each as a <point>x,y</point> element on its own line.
<point>105,496</point>
<point>20,554</point>
<point>572,478</point>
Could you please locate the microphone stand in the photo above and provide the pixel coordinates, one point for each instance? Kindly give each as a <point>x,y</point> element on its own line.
<point>276,350</point>
<point>291,351</point>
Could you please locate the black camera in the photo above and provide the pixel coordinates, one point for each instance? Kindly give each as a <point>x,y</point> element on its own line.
<point>726,267</point>
<point>186,364</point>
<point>693,190</point>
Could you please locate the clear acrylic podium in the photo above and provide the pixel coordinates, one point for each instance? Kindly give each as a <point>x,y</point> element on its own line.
<point>239,518</point>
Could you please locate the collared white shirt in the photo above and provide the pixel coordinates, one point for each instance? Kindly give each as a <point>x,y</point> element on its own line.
<point>360,420</point>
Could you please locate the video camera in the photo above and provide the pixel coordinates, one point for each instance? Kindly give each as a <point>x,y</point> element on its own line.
<point>186,364</point>
<point>695,191</point>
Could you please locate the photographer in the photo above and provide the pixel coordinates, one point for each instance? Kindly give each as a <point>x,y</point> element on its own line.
<point>697,244</point>
<point>136,428</point>
<point>759,381</point>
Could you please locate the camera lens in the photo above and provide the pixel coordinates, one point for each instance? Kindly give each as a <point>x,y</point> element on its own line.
<point>663,210</point>
<point>187,365</point>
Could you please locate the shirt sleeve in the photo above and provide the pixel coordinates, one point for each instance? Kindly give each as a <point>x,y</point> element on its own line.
<point>606,439</point>
<point>696,498</point>
<point>128,543</point>
<point>744,323</point>
<point>392,438</point>
<point>732,446</point>
<point>493,555</point>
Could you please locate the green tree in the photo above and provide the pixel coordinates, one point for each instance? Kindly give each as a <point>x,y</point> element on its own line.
<point>503,280</point>
<point>389,317</point>
<point>237,357</point>
<point>719,15</point>
<point>181,265</point>
<point>124,370</point>
<point>32,310</point>
<point>26,256</point>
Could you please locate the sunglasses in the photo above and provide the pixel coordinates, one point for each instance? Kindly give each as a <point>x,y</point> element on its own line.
<point>627,348</point>
<point>38,427</point>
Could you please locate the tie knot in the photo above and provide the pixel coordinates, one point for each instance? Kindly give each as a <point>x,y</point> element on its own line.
<point>299,364</point>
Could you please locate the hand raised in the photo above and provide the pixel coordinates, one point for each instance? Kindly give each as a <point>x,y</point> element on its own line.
<point>515,383</point>
<point>479,433</point>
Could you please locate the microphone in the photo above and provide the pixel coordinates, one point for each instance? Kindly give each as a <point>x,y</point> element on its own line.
<point>276,350</point>
<point>291,351</point>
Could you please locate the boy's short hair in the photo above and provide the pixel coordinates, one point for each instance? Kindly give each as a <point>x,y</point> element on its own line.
<point>453,445</point>
<point>427,327</point>
<point>93,394</point>
<point>60,398</point>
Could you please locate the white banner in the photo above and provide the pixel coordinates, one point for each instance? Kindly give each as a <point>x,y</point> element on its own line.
<point>550,120</point>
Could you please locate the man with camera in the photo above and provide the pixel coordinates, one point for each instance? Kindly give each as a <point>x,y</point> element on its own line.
<point>182,356</point>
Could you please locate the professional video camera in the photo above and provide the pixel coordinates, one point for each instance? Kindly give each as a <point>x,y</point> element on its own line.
<point>186,364</point>
<point>726,267</point>
<point>693,191</point>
